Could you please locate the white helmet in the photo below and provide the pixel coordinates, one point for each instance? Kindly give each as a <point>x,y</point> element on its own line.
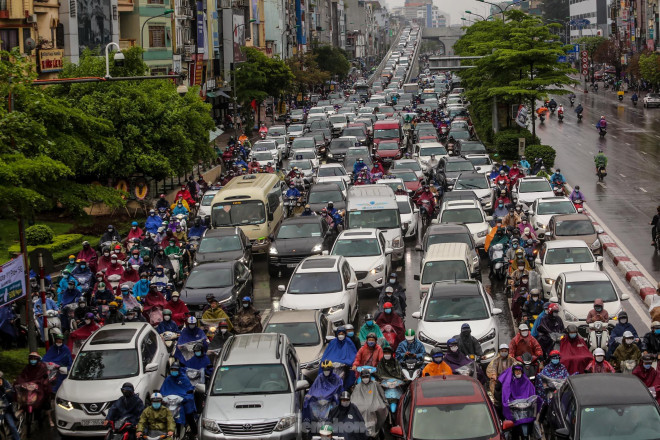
<point>628,334</point>
<point>599,352</point>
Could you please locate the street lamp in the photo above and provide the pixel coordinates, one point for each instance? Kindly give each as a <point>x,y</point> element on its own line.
<point>119,58</point>
<point>167,11</point>
<point>478,15</point>
<point>515,3</point>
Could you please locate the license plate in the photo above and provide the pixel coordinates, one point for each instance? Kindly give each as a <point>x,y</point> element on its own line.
<point>93,422</point>
<point>292,265</point>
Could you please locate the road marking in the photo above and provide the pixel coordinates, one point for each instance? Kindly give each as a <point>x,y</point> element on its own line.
<point>627,143</point>
<point>602,184</point>
<point>591,152</point>
<point>622,175</point>
<point>644,152</point>
<point>643,190</point>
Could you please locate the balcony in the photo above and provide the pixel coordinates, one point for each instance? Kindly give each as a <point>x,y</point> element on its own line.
<point>126,43</point>
<point>125,5</point>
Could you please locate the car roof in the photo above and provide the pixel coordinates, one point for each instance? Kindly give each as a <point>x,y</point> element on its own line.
<point>609,389</point>
<point>331,165</point>
<point>553,199</point>
<point>430,144</point>
<point>464,203</point>
<point>445,251</point>
<point>471,175</point>
<point>359,233</point>
<point>560,244</point>
<point>243,348</point>
<point>532,178</point>
<point>116,336</point>
<point>453,389</point>
<point>564,217</point>
<point>455,159</point>
<point>455,288</point>
<point>324,187</point>
<point>281,316</point>
<point>319,263</point>
<point>586,275</point>
<point>223,232</point>
<point>459,195</point>
<point>301,220</point>
<point>447,228</point>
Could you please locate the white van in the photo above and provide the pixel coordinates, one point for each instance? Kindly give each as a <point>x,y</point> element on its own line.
<point>445,262</point>
<point>375,206</point>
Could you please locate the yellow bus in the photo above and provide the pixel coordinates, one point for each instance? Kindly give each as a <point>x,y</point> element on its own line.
<point>252,202</point>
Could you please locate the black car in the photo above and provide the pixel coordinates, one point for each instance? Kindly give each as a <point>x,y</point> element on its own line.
<point>224,244</point>
<point>296,239</point>
<point>228,281</point>
<point>603,406</point>
<point>451,167</point>
<point>339,147</point>
<point>464,146</point>
<point>322,193</point>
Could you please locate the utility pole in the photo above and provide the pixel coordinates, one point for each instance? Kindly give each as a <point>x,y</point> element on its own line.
<point>32,331</point>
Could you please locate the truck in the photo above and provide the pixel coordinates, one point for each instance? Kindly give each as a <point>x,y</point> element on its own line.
<point>410,88</point>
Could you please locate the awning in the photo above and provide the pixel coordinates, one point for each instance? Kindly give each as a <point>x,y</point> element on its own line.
<point>217,94</point>
<point>213,134</point>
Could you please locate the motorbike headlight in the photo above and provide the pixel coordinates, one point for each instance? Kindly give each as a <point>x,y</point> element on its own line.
<point>335,309</point>
<point>211,425</point>
<point>317,248</point>
<point>595,244</point>
<point>378,268</point>
<point>549,281</point>
<point>425,339</point>
<point>488,336</point>
<point>272,250</point>
<point>64,404</point>
<point>396,242</point>
<point>482,233</point>
<point>568,316</point>
<point>286,422</point>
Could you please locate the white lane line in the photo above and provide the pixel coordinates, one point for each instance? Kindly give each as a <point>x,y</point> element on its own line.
<point>591,152</point>
<point>602,184</point>
<point>643,189</point>
<point>622,175</point>
<point>644,152</point>
<point>628,143</point>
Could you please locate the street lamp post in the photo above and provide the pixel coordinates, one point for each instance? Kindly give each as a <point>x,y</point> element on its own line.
<point>233,80</point>
<point>167,11</point>
<point>478,15</point>
<point>515,3</point>
<point>119,58</point>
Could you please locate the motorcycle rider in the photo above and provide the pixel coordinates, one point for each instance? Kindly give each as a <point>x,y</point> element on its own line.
<point>247,319</point>
<point>432,164</point>
<point>167,325</point>
<point>292,192</point>
<point>221,337</point>
<point>215,312</point>
<point>651,340</point>
<point>389,367</point>
<point>649,375</point>
<point>512,385</point>
<point>36,371</point>
<point>369,327</point>
<point>577,194</point>
<point>185,194</point>
<point>70,295</point>
<point>387,296</point>
<point>557,178</point>
<point>438,366</point>
<point>550,323</point>
<point>468,344</point>
<point>348,418</point>
<point>423,195</point>
<point>655,222</point>
<point>369,354</point>
<point>634,98</point>
<point>410,345</point>
<point>358,166</point>
<point>524,164</point>
<point>369,398</point>
<point>178,384</point>
<point>388,317</point>
<point>622,326</point>
<point>552,105</point>
<point>156,417</point>
<point>6,399</point>
<point>399,290</point>
<point>543,173</point>
<point>500,211</point>
<point>579,109</point>
<point>511,219</point>
<point>197,230</point>
<point>574,350</point>
<point>598,313</point>
<point>600,160</point>
<point>498,365</point>
<point>601,124</point>
<point>523,343</point>
<point>560,110</point>
<point>103,295</point>
<point>554,369</point>
<point>114,316</point>
<point>179,308</point>
<point>129,407</point>
<point>599,364</point>
<point>533,306</point>
<point>350,334</point>
<point>110,235</point>
<point>191,332</point>
<point>307,212</point>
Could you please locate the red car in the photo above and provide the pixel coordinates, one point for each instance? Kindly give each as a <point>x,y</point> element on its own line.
<point>447,407</point>
<point>409,177</point>
<point>387,151</point>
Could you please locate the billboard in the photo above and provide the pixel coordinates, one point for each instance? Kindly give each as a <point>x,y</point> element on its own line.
<point>239,34</point>
<point>94,24</point>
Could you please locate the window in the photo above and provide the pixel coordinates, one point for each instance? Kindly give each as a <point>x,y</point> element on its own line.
<point>273,202</point>
<point>156,36</point>
<point>155,2</point>
<point>291,365</point>
<point>149,348</point>
<point>346,272</point>
<point>8,39</point>
<point>568,408</point>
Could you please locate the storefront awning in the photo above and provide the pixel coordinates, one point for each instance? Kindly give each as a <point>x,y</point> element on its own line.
<point>217,94</point>
<point>213,134</point>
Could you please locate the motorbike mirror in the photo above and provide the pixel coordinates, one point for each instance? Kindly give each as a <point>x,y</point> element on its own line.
<point>418,247</point>
<point>417,315</point>
<point>496,311</point>
<point>435,221</point>
<point>507,425</point>
<point>63,371</point>
<point>562,433</point>
<point>200,388</point>
<point>281,288</point>
<point>329,338</point>
<point>547,234</point>
<point>150,368</point>
<point>388,251</point>
<point>554,299</point>
<point>396,431</point>
<point>416,277</point>
<point>580,210</point>
<point>489,218</point>
<point>301,385</point>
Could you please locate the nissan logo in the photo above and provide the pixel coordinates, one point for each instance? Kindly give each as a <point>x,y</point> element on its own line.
<point>247,427</point>
<point>93,407</point>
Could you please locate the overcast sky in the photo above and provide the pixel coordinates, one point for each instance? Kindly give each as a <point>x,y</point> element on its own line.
<point>454,8</point>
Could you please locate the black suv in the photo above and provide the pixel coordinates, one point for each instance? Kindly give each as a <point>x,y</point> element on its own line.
<point>450,168</point>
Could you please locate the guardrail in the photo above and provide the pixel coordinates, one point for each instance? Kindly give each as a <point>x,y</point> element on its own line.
<point>414,64</point>
<point>381,66</point>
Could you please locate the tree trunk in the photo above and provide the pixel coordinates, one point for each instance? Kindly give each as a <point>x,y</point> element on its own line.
<point>533,111</point>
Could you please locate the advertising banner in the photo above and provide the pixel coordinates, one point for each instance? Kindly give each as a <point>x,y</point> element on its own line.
<point>12,281</point>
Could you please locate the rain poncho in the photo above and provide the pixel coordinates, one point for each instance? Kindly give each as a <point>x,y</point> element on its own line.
<point>179,311</point>
<point>575,354</point>
<point>549,324</point>
<point>340,351</point>
<point>496,367</point>
<point>130,275</point>
<point>515,389</point>
<point>180,386</point>
<point>458,359</point>
<point>200,363</point>
<point>322,396</point>
<point>135,232</point>
<point>650,377</point>
<point>216,315</point>
<point>370,400</point>
<point>351,420</point>
<point>415,347</point>
<point>153,223</point>
<point>60,356</point>
<point>141,288</point>
<point>129,303</point>
<point>396,322</point>
<point>189,338</point>
<point>389,369</point>
<point>153,302</point>
<point>366,329</point>
<point>38,374</point>
<point>625,352</point>
<point>69,296</point>
<point>82,333</point>
<point>368,356</point>
<point>617,332</point>
<point>552,371</point>
<point>167,326</point>
<point>247,320</point>
<point>90,256</point>
<point>114,269</point>
<point>64,283</point>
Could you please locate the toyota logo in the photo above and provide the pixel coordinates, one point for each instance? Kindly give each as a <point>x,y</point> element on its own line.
<point>247,427</point>
<point>94,407</point>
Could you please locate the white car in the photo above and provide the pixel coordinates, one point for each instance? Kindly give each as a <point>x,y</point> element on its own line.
<point>544,208</point>
<point>338,122</point>
<point>468,212</point>
<point>449,305</point>
<point>324,282</point>
<point>651,100</point>
<point>476,183</point>
<point>305,153</point>
<point>328,172</point>
<point>305,166</point>
<point>409,215</point>
<point>207,200</point>
<point>528,189</point>
<point>272,146</point>
<point>559,256</point>
<point>425,150</point>
<point>482,162</point>
<point>113,355</point>
<point>367,253</point>
<point>294,131</point>
<point>575,292</point>
<point>263,158</point>
<point>393,183</point>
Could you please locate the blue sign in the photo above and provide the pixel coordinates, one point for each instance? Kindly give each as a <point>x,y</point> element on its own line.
<point>200,27</point>
<point>561,59</point>
<point>574,49</point>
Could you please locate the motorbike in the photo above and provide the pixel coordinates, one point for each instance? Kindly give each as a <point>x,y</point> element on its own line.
<point>467,370</point>
<point>29,399</point>
<point>174,403</point>
<point>542,117</point>
<point>393,390</point>
<point>579,205</point>
<point>119,431</point>
<point>620,96</point>
<point>560,116</point>
<point>579,116</point>
<point>599,336</point>
<point>572,101</point>
<point>262,135</point>
<point>154,435</point>
<point>411,368</point>
<point>114,280</point>
<point>195,376</point>
<point>523,414</point>
<point>551,386</point>
<point>530,368</point>
<point>290,204</point>
<point>601,173</point>
<point>368,368</point>
<point>499,262</point>
<point>628,366</point>
<point>450,148</point>
<point>170,339</point>
<point>602,132</point>
<point>634,101</point>
<point>558,190</point>
<point>556,340</point>
<point>425,212</point>
<point>552,109</point>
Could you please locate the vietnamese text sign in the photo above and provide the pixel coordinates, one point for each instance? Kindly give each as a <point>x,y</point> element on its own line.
<point>12,281</point>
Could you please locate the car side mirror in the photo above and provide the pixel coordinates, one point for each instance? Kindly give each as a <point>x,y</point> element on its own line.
<point>600,231</point>
<point>396,431</point>
<point>150,368</point>
<point>599,259</point>
<point>63,371</point>
<point>417,315</point>
<point>562,433</point>
<point>416,277</point>
<point>329,338</point>
<point>351,285</point>
<point>281,288</point>
<point>200,388</point>
<point>537,261</point>
<point>270,217</point>
<point>301,385</point>
<point>548,234</point>
<point>388,251</point>
<point>507,425</point>
<point>418,247</point>
<point>496,311</point>
<point>625,297</point>
<point>554,299</point>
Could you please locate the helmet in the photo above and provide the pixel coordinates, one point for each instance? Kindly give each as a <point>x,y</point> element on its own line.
<point>599,352</point>
<point>127,386</point>
<point>247,299</point>
<point>198,347</point>
<point>368,317</point>
<point>437,352</point>
<point>326,365</point>
<point>223,323</point>
<point>372,335</point>
<point>365,373</point>
<point>167,312</point>
<point>349,327</point>
<point>210,296</point>
<point>571,328</point>
<point>504,347</point>
<point>387,305</point>
<point>523,326</point>
<point>554,353</point>
<point>175,366</point>
<point>452,341</point>
<point>628,334</point>
<point>89,316</point>
<point>325,430</point>
<point>602,117</point>
<point>345,396</point>
<point>552,308</point>
<point>410,332</point>
<point>157,397</point>
<point>191,320</point>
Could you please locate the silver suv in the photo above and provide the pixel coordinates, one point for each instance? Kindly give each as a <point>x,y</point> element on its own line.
<point>256,390</point>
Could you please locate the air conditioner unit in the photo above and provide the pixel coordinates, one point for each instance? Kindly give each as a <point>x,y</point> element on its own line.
<point>32,18</point>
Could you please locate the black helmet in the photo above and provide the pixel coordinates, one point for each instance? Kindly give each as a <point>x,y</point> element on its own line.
<point>175,366</point>
<point>437,351</point>
<point>368,317</point>
<point>571,328</point>
<point>198,347</point>
<point>365,373</point>
<point>345,396</point>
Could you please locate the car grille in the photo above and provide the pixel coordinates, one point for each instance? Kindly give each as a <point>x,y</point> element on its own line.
<point>288,260</point>
<point>78,427</point>
<point>248,429</point>
<point>361,275</point>
<point>94,408</point>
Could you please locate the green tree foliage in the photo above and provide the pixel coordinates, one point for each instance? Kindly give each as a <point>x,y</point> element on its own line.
<point>332,60</point>
<point>35,173</point>
<point>259,77</point>
<point>610,52</point>
<point>38,234</point>
<point>649,68</point>
<point>306,72</point>
<point>519,63</point>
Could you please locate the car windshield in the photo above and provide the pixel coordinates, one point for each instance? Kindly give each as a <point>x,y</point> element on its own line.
<point>459,165</point>
<point>354,131</point>
<point>341,144</point>
<point>303,143</point>
<point>325,196</point>
<point>463,215</point>
<point>297,112</point>
<point>619,422</point>
<point>250,212</point>
<point>574,227</point>
<point>296,128</point>
<point>220,244</point>
<point>586,292</point>
<point>480,160</point>
<point>299,230</point>
<point>363,247</point>
<point>388,146</point>
<point>207,199</point>
<point>560,207</point>
<point>105,365</point>
<point>453,422</point>
<point>299,333</point>
<point>389,133</point>
<point>567,255</point>
<point>654,95</point>
<point>341,119</point>
<point>471,183</point>
<point>277,131</point>
<point>427,151</point>
<point>374,218</point>
<point>315,282</point>
<point>534,186</point>
<point>460,134</point>
<point>262,156</point>
<point>472,149</point>
<point>303,154</point>
<point>444,271</point>
<point>406,176</point>
<point>450,238</point>
<point>404,207</point>
<point>259,146</point>
<point>331,171</point>
<point>301,164</point>
<point>208,279</point>
<point>412,165</point>
<point>358,152</point>
<point>250,379</point>
<point>457,308</point>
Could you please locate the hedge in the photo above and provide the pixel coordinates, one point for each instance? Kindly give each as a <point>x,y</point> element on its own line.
<point>546,152</point>
<point>505,143</point>
<point>61,243</point>
<point>39,235</point>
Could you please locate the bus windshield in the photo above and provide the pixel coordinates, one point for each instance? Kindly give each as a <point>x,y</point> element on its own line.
<point>250,212</point>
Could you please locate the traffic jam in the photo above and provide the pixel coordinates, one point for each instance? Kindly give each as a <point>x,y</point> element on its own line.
<point>366,269</point>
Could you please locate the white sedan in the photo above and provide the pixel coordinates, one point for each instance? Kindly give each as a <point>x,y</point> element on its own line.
<point>409,215</point>
<point>544,208</point>
<point>366,252</point>
<point>560,256</point>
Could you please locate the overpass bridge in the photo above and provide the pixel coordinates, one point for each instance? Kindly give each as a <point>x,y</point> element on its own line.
<point>447,36</point>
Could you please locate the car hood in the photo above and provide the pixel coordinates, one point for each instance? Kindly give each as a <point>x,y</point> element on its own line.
<point>363,264</point>
<point>198,296</point>
<point>476,227</point>
<point>104,390</point>
<point>297,245</point>
<point>531,197</point>
<point>309,353</point>
<point>588,239</point>
<point>311,301</point>
<point>224,408</point>
<point>413,186</point>
<point>387,153</point>
<point>581,310</point>
<point>552,271</point>
<point>218,256</point>
<point>442,331</point>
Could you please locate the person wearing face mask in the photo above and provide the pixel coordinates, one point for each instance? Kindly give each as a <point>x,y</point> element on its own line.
<point>134,232</point>
<point>103,296</point>
<point>129,406</point>
<point>129,300</point>
<point>369,354</point>
<point>622,326</point>
<point>388,317</point>
<point>36,371</point>
<point>389,367</point>
<point>410,345</point>
<point>179,309</point>
<point>598,313</point>
<point>7,396</point>
<point>190,334</point>
<point>221,337</point>
<point>82,310</point>
<point>574,351</point>
<point>455,358</point>
<point>513,385</point>
<point>350,334</point>
<point>114,269</point>
<point>523,343</point>
<point>167,325</point>
<point>341,349</point>
<point>347,417</point>
<point>500,210</point>
<point>130,275</point>
<point>627,350</point>
<point>105,260</point>
<point>247,318</point>
<point>368,327</point>
<point>468,344</point>
<point>71,264</point>
<point>550,323</point>
<point>63,284</point>
<point>153,222</point>
<point>649,375</point>
<point>110,235</point>
<point>511,219</point>
<point>200,361</point>
<point>399,291</point>
<point>369,398</point>
<point>503,361</point>
<point>598,364</point>
<point>511,252</point>
<point>83,332</point>
<point>533,307</point>
<point>554,370</point>
<point>387,296</point>
<point>215,313</point>
<point>58,354</point>
<point>88,253</point>
<point>156,417</point>
<point>160,278</point>
<point>141,287</point>
<point>326,387</point>
<point>535,327</point>
<point>153,305</point>
<point>113,316</point>
<point>134,315</point>
<point>178,384</point>
<point>438,366</point>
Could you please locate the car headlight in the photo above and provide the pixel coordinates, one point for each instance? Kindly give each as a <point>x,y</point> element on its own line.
<point>488,336</point>
<point>482,233</point>
<point>310,365</point>
<point>286,422</point>
<point>272,250</point>
<point>330,155</point>
<point>378,268</point>
<point>425,339</point>
<point>549,281</point>
<point>317,248</point>
<point>64,404</point>
<point>211,425</point>
<point>396,242</point>
<point>335,309</point>
<point>568,316</point>
<point>541,226</point>
<point>595,244</point>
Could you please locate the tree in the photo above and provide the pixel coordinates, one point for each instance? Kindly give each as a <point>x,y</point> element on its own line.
<point>649,68</point>
<point>332,60</point>
<point>35,174</point>
<point>610,52</point>
<point>306,72</point>
<point>519,63</point>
